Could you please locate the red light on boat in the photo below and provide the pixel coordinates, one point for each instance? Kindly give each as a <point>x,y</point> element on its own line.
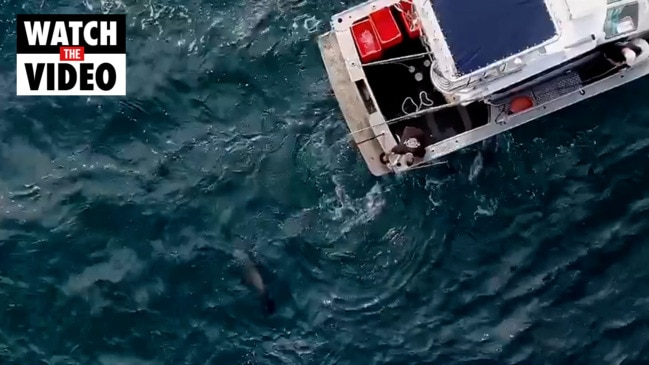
<point>521,103</point>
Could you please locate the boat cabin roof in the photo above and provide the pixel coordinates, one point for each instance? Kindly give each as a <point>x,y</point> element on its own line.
<point>481,46</point>
<point>479,33</point>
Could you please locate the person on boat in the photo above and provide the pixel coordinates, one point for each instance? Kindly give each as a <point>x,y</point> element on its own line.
<point>412,145</point>
<point>628,53</point>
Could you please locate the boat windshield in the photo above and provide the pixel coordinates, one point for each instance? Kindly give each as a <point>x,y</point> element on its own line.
<point>621,19</point>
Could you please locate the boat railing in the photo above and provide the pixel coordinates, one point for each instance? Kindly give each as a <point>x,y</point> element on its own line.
<point>424,111</point>
<point>473,81</point>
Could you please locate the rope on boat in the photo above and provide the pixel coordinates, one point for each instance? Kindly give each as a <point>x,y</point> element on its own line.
<point>408,116</point>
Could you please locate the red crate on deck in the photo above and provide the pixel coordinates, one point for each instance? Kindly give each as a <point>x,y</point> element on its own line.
<point>387,28</point>
<point>367,42</point>
<point>408,17</point>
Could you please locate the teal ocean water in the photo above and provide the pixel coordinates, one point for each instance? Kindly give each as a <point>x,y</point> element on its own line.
<point>120,217</point>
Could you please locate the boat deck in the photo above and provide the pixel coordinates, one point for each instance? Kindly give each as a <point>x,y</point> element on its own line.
<point>405,87</point>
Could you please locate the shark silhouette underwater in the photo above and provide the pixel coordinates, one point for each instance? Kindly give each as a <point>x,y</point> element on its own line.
<point>252,276</point>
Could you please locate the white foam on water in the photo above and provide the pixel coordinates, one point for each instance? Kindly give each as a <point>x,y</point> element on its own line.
<point>436,190</point>
<point>486,207</point>
<point>122,263</point>
<point>364,209</point>
<point>308,22</point>
<point>476,167</point>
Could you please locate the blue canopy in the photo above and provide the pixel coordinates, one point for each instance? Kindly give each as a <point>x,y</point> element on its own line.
<point>481,32</point>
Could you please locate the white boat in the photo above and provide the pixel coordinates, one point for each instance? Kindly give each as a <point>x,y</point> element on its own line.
<point>463,71</point>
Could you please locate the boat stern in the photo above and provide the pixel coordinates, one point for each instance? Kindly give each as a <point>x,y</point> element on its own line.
<point>355,107</point>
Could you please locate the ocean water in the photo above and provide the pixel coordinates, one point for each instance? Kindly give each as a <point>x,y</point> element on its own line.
<point>120,217</point>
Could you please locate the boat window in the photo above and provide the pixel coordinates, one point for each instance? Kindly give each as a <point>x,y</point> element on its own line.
<point>621,19</point>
